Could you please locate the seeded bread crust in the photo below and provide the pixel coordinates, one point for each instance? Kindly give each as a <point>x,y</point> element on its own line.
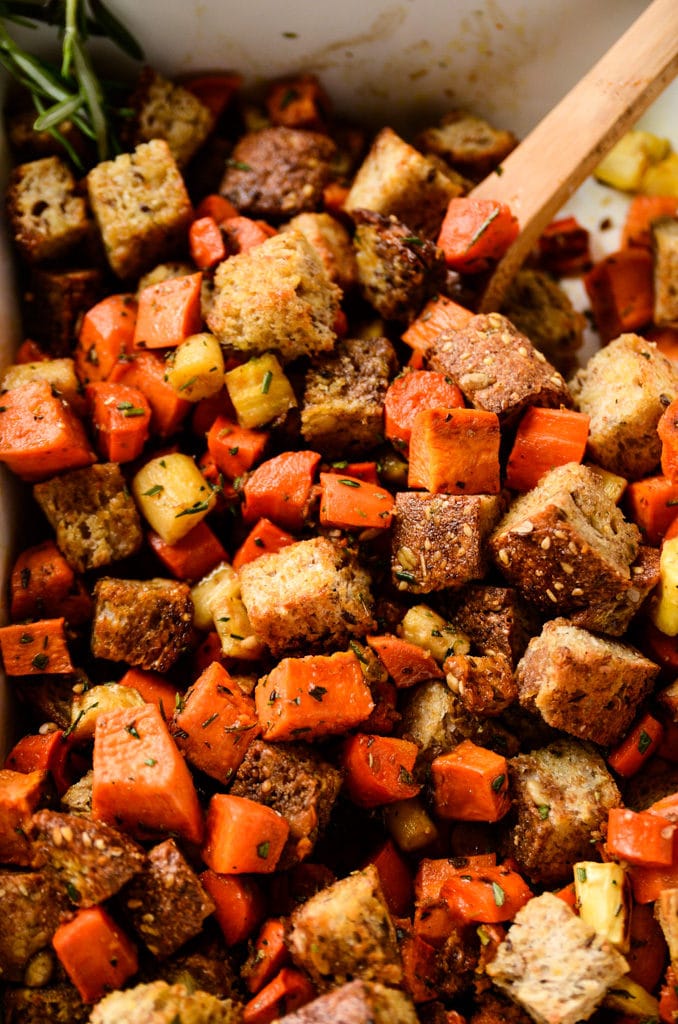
<point>494,618</point>
<point>497,368</point>
<point>31,905</point>
<point>484,683</point>
<point>47,217</point>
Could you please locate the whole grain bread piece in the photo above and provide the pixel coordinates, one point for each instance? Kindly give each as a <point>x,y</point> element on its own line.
<point>141,206</point>
<point>47,217</point>
<point>275,296</point>
<point>156,1002</point>
<point>562,794</point>
<point>58,1004</point>
<point>296,782</point>
<point>278,172</point>
<point>344,932</point>
<point>585,685</point>
<point>395,178</point>
<point>146,623</point>
<point>624,389</point>
<point>664,233</point>
<point>497,368</point>
<point>397,271</point>
<point>495,618</point>
<point>468,143</point>
<point>567,548</point>
<point>613,612</point>
<point>343,404</point>
<point>554,964</point>
<point>55,302</point>
<point>164,110</point>
<point>438,541</point>
<point>333,244</point>
<point>93,514</point>
<point>31,908</point>
<point>310,595</point>
<point>485,684</point>
<point>537,305</point>
<point>356,1002</point>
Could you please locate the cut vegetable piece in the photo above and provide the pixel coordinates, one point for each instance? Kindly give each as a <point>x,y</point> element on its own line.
<point>409,394</point>
<point>280,489</point>
<point>406,663</point>
<point>169,312</point>
<point>486,895</point>
<point>264,538</point>
<point>242,836</point>
<point>172,495</point>
<point>621,293</point>
<point>191,557</point>
<point>36,648</point>
<point>235,449</point>
<point>95,953</point>
<point>640,838</point>
<point>195,369</point>
<point>147,371</point>
<point>106,334</point>
<point>470,784</point>
<point>475,233</point>
<point>121,417</point>
<point>603,899</point>
<point>545,438</point>
<point>455,451</point>
<point>378,769</point>
<point>637,747</point>
<point>349,503</point>
<point>239,901</point>
<point>260,391</point>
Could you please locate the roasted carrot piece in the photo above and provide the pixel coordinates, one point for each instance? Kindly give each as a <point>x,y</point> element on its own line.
<point>207,409</point>
<point>470,784</point>
<point>568,894</point>
<point>206,243</point>
<point>639,216</point>
<point>365,471</point>
<point>239,901</point>
<point>106,334</point>
<point>289,990</point>
<point>217,207</point>
<point>405,662</point>
<point>41,580</point>
<point>637,747</point>
<point>40,435</point>
<point>411,393</point>
<point>349,503</point>
<point>640,838</point>
<point>647,883</point>
<point>667,428</point>
<point>564,247</point>
<point>545,438</point>
<point>243,233</point>
<point>193,556</point>
<point>378,769</point>
<point>20,794</point>
<point>169,312</point>
<point>214,724</point>
<point>269,954</point>
<point>95,953</point>
<point>141,781</point>
<point>299,102</point>
<point>334,197</point>
<point>395,877</point>
<point>666,340</point>
<point>280,489</point>
<point>433,872</point>
<point>153,687</point>
<point>438,315</point>
<point>476,232</point>
<point>264,538</point>
<point>319,695</point>
<point>668,998</point>
<point>648,948</point>
<point>37,648</point>
<point>242,836</point>
<point>620,291</point>
<point>215,89</point>
<point>43,753</point>
<point>121,417</point>
<point>30,352</point>
<point>235,449</point>
<point>146,371</point>
<point>455,451</point>
<point>652,504</point>
<point>420,965</point>
<point>487,896</point>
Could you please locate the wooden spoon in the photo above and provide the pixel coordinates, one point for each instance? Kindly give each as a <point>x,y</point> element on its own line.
<point>555,158</point>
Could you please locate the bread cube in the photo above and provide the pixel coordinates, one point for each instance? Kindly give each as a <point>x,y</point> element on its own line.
<point>275,296</point>
<point>494,618</point>
<point>165,110</point>
<point>356,1002</point>
<point>55,302</point>
<point>665,251</point>
<point>332,242</point>
<point>141,206</point>
<point>174,1003</point>
<point>468,143</point>
<point>34,903</point>
<point>93,514</point>
<point>59,374</point>
<point>543,312</point>
<point>47,218</point>
<point>484,683</point>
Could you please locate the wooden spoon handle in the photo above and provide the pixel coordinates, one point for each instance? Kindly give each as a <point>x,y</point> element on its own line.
<point>555,158</point>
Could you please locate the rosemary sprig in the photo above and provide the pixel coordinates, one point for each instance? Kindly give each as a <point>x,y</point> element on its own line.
<point>73,91</point>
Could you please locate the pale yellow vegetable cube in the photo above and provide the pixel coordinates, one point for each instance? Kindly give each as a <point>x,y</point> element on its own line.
<point>627,161</point>
<point>172,495</point>
<point>97,700</point>
<point>661,179</point>
<point>604,900</point>
<point>664,610</point>
<point>195,369</point>
<point>409,824</point>
<point>231,621</point>
<point>59,373</point>
<point>426,628</point>
<point>260,391</point>
<point>203,591</point>
<point>628,997</point>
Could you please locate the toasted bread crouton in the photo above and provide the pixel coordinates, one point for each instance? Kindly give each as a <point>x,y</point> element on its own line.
<point>27,143</point>
<point>495,619</point>
<point>165,110</point>
<point>278,172</point>
<point>91,860</point>
<point>332,242</point>
<point>307,596</point>
<point>158,1001</point>
<point>93,514</point>
<point>554,964</point>
<point>562,794</point>
<point>612,612</point>
<point>484,683</point>
<point>665,251</point>
<point>565,545</point>
<point>275,296</point>
<point>438,540</point>
<point>395,178</point>
<point>31,905</point>
<point>56,301</point>
<point>585,685</point>
<point>47,218</point>
<point>467,142</point>
<point>345,931</point>
<point>397,271</point>
<point>624,389</point>
<point>498,368</point>
<point>356,1002</point>
<point>58,1004</point>
<point>165,903</point>
<point>146,623</point>
<point>297,783</point>
<point>142,207</point>
<point>541,310</point>
<point>343,407</point>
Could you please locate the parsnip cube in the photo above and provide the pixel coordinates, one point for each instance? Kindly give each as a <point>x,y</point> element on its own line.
<point>627,161</point>
<point>409,824</point>
<point>604,900</point>
<point>425,628</point>
<point>195,369</point>
<point>88,705</point>
<point>260,391</point>
<point>204,590</point>
<point>172,495</point>
<point>231,621</point>
<point>630,998</point>
<point>59,373</point>
<point>661,179</point>
<point>666,912</point>
<point>664,610</point>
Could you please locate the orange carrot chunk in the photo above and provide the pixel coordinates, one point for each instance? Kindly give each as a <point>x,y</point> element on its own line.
<point>40,435</point>
<point>141,781</point>
<point>146,371</point>
<point>409,394</point>
<point>264,538</point>
<point>378,769</point>
<point>43,584</point>
<point>240,904</point>
<point>648,883</point>
<point>289,990</point>
<point>470,784</point>
<point>667,428</point>
<point>476,232</point>
<point>637,747</point>
<point>319,695</point>
<point>30,352</point>
<point>652,504</point>
<point>405,662</point>
<point>43,753</point>
<point>640,214</point>
<point>193,556</point>
<point>242,836</point>
<point>438,315</point>
<point>640,838</point>
<point>298,102</point>
<point>243,233</point>
<point>666,340</point>
<point>206,243</point>
<point>545,438</point>
<point>455,451</point>
<point>668,998</point>
<point>487,896</point>
<point>121,417</point>
<point>37,648</point>
<point>564,247</point>
<point>348,503</point>
<point>153,687</point>
<point>280,489</point>
<point>648,946</point>
<point>106,334</point>
<point>217,207</point>
<point>20,794</point>
<point>215,89</point>
<point>235,449</point>
<point>95,953</point>
<point>269,954</point>
<point>365,471</point>
<point>169,312</point>
<point>395,877</point>
<point>621,292</point>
